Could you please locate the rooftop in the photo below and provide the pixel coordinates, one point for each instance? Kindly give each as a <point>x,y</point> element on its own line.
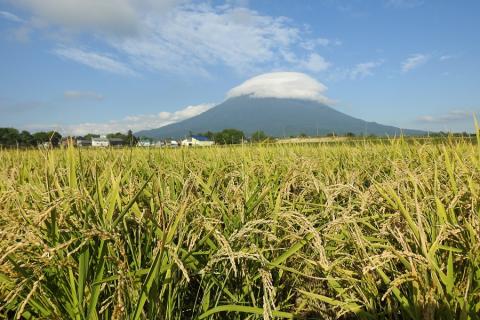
<point>200,138</point>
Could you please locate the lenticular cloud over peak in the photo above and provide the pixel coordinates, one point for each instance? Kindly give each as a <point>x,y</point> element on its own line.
<point>293,85</point>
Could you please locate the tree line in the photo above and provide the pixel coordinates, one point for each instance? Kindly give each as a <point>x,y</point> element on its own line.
<point>234,136</point>
<point>11,137</point>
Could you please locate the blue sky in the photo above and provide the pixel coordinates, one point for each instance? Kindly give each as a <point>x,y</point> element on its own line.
<point>100,66</point>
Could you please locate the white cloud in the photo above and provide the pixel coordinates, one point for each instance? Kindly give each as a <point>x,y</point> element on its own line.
<point>115,17</point>
<point>315,63</point>
<point>179,36</point>
<point>452,116</point>
<point>196,37</point>
<point>447,57</point>
<point>358,71</point>
<point>404,3</point>
<point>82,95</point>
<point>94,60</point>
<point>282,85</point>
<point>312,44</point>
<point>414,61</point>
<point>10,16</point>
<point>363,70</point>
<point>134,123</point>
<point>108,16</point>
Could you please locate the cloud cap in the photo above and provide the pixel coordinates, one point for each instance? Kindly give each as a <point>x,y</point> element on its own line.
<point>286,85</point>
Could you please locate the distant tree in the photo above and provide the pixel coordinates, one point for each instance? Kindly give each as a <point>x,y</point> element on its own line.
<point>131,139</point>
<point>350,134</point>
<point>40,137</point>
<point>9,136</point>
<point>144,138</point>
<point>331,134</point>
<point>26,139</point>
<point>259,136</point>
<point>229,136</point>
<point>303,135</point>
<point>209,134</point>
<point>119,135</point>
<point>54,138</point>
<point>89,136</point>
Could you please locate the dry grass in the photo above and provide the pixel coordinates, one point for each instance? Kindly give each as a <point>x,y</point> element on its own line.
<point>384,230</point>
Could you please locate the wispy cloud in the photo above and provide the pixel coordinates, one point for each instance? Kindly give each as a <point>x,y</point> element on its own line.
<point>134,122</point>
<point>107,16</point>
<point>452,116</point>
<point>10,17</point>
<point>179,36</point>
<point>82,95</point>
<point>314,63</point>
<point>94,60</point>
<point>447,57</point>
<point>404,3</point>
<point>414,61</point>
<point>365,69</point>
<point>193,38</point>
<point>356,72</point>
<point>313,44</point>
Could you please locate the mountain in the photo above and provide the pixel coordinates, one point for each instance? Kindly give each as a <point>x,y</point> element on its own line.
<point>276,117</point>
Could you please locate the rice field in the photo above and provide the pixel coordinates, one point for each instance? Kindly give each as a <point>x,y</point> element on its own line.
<point>329,231</point>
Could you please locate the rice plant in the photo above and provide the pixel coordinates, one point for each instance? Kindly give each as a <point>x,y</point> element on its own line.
<point>369,230</point>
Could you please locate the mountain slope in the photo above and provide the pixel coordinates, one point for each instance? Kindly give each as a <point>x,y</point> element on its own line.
<point>276,117</point>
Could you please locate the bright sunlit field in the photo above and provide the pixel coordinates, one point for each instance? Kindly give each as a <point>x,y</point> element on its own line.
<point>364,230</point>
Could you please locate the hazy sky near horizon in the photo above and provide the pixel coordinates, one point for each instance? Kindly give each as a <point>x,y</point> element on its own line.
<point>102,66</point>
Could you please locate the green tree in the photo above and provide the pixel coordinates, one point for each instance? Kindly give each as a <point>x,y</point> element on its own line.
<point>209,134</point>
<point>54,138</point>
<point>40,137</point>
<point>229,136</point>
<point>89,136</point>
<point>259,136</point>
<point>9,136</point>
<point>118,135</point>
<point>131,139</point>
<point>26,139</point>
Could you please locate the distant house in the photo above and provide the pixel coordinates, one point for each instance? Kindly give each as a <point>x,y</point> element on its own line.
<point>160,144</point>
<point>67,141</point>
<point>100,142</point>
<point>197,141</point>
<point>46,145</point>
<point>172,143</point>
<point>144,143</point>
<point>84,143</point>
<point>116,142</point>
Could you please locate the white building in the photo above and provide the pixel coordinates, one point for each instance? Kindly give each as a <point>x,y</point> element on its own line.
<point>144,143</point>
<point>100,142</point>
<point>197,141</point>
<point>160,144</point>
